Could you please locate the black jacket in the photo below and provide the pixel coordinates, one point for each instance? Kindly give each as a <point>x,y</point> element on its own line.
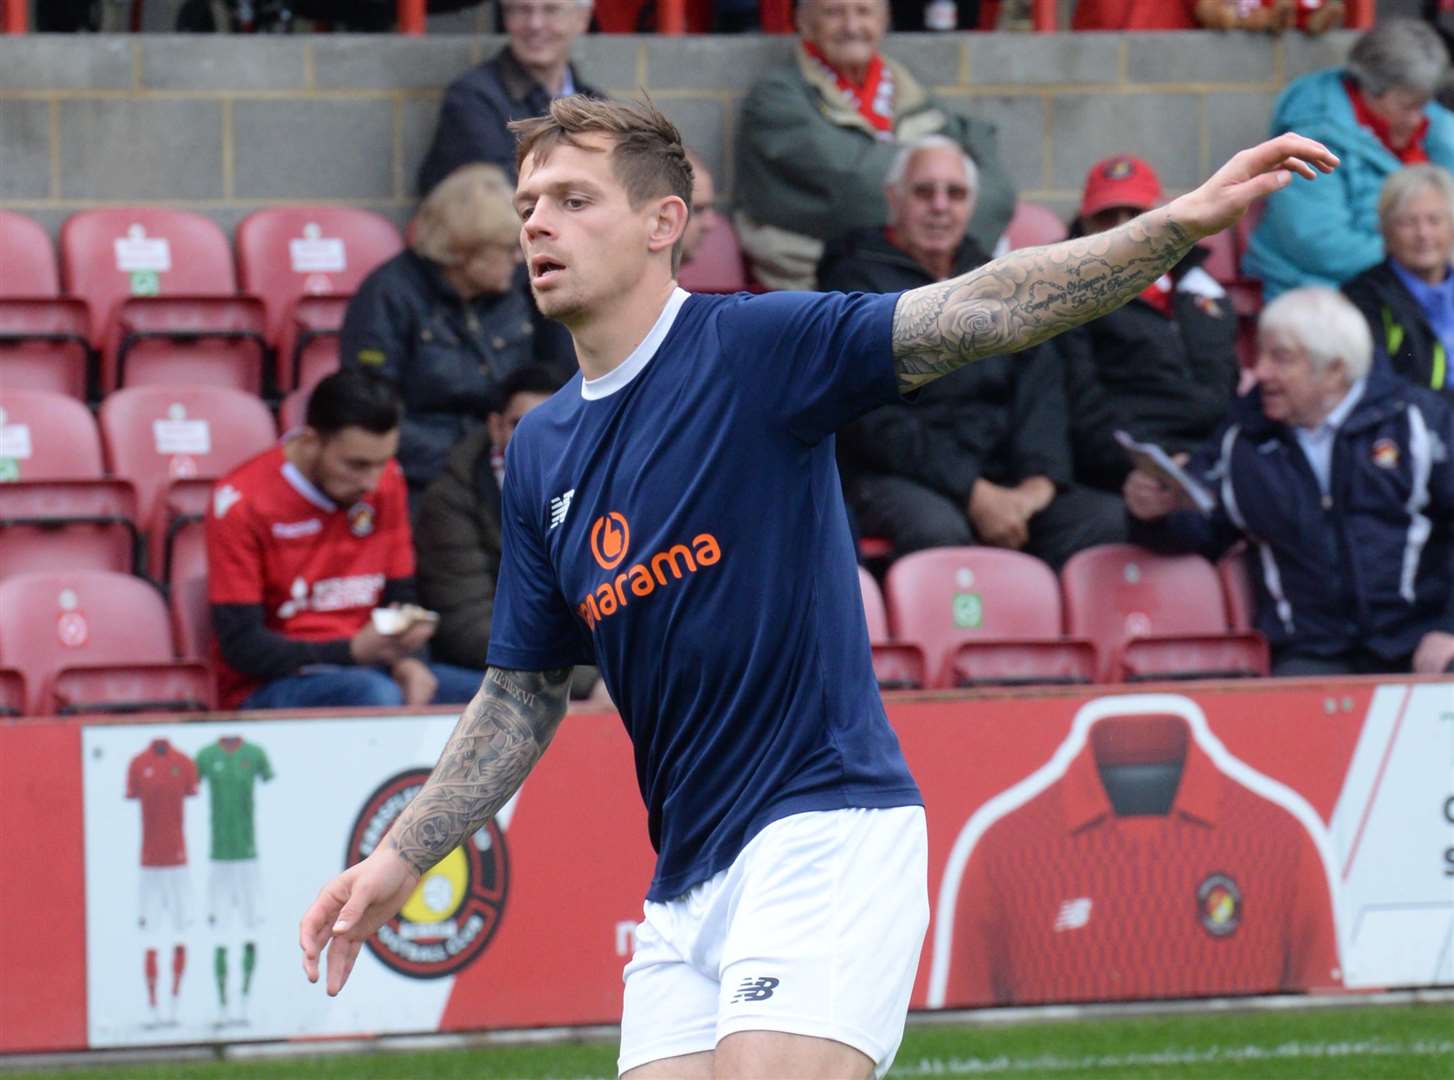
<point>1400,328</point>
<point>476,108</point>
<point>1374,568</point>
<point>1002,417</point>
<point>1167,380</point>
<point>443,355</point>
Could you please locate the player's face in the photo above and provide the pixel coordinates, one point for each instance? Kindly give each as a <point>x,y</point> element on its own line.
<point>542,31</point>
<point>585,245</point>
<point>1419,234</point>
<point>931,209</point>
<point>1293,391</point>
<point>502,424</point>
<point>848,31</point>
<point>348,465</point>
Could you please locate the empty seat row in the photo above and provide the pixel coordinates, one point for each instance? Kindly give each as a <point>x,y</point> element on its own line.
<point>157,297</point>
<point>973,616</point>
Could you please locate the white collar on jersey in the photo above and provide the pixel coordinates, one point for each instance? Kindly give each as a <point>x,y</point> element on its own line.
<point>304,487</point>
<point>635,364</point>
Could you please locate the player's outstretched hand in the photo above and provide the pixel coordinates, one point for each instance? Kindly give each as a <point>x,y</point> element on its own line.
<point>1249,176</point>
<point>350,909</point>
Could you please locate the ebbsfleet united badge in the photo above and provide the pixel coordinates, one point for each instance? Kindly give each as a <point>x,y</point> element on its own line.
<point>1219,905</point>
<point>456,908</point>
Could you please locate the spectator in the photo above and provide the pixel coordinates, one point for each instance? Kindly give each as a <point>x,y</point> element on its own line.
<point>519,81</point>
<point>983,455</point>
<point>704,217</point>
<point>1408,299</point>
<point>1312,16</point>
<point>1340,477</point>
<point>447,319</point>
<point>816,140</point>
<point>1376,115</point>
<point>304,542</point>
<point>1164,366</point>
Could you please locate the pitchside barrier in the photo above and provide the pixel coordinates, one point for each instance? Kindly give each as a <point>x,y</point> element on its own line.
<point>1197,839</point>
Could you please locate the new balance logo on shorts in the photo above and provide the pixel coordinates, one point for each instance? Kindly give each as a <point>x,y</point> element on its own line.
<point>759,989</point>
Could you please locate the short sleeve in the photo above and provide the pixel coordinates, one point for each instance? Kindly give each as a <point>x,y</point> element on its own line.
<point>822,359</point>
<point>234,552</point>
<point>190,772</point>
<point>532,629</point>
<point>264,766</point>
<point>133,790</point>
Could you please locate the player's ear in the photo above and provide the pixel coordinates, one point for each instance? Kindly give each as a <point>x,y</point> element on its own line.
<point>668,222</point>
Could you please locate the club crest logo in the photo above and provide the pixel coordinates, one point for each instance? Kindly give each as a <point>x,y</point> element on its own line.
<point>1118,168</point>
<point>610,540</point>
<point>1385,454</point>
<point>455,909</point>
<point>1219,905</point>
<point>361,519</point>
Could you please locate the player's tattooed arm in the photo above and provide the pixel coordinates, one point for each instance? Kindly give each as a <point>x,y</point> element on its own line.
<point>497,741</point>
<point>1030,295</point>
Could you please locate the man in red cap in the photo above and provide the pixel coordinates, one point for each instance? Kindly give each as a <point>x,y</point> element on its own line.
<point>1164,367</point>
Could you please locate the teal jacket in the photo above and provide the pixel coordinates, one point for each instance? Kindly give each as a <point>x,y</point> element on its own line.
<point>1323,232</point>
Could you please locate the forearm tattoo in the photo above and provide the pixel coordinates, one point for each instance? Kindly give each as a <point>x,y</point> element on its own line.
<point>497,741</point>
<point>1030,295</point>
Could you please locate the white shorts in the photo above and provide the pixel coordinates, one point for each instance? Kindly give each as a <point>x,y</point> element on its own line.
<point>815,929</point>
<point>163,892</point>
<point>233,890</point>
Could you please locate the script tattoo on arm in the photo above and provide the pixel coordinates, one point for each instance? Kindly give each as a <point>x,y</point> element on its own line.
<point>497,741</point>
<point>1030,295</point>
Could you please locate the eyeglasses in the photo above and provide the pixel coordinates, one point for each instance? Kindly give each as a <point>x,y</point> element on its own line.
<point>927,189</point>
<point>549,12</point>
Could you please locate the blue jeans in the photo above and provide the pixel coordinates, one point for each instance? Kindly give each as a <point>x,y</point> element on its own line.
<point>358,687</point>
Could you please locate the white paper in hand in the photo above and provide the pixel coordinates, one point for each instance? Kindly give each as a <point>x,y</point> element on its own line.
<point>1150,458</point>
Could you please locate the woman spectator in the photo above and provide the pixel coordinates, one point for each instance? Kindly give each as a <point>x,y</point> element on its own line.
<point>1408,299</point>
<point>1377,115</point>
<point>448,318</point>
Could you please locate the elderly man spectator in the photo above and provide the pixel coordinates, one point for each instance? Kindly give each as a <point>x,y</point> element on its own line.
<point>1408,299</point>
<point>1162,368</point>
<point>704,216</point>
<point>983,455</point>
<point>519,81</point>
<point>817,137</point>
<point>445,320</point>
<point>1339,475</point>
<point>1377,115</point>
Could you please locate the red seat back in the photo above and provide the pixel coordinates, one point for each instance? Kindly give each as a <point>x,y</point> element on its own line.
<point>191,617</point>
<point>945,597</point>
<point>288,252</point>
<point>1221,261</point>
<point>47,436</point>
<point>1116,592</point>
<point>60,619</point>
<point>873,608</point>
<point>1236,578</point>
<point>109,255</point>
<point>718,265</point>
<point>27,257</point>
<point>1032,225</point>
<point>156,434</point>
<point>44,344</point>
<point>78,524</point>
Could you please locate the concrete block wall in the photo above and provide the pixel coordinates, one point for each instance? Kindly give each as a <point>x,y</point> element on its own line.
<point>224,125</point>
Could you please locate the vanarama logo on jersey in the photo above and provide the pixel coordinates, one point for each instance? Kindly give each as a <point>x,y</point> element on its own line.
<point>610,543</point>
<point>456,907</point>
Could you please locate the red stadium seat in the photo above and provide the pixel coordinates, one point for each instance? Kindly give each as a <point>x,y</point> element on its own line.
<point>718,265</point>
<point>1155,616</point>
<point>896,665</point>
<point>28,258</point>
<point>983,615</point>
<point>191,617</point>
<point>1032,225</point>
<point>308,348</point>
<point>873,607</point>
<point>286,253</point>
<point>12,693</point>
<point>154,435</point>
<point>44,345</point>
<point>1236,578</point>
<point>56,508</point>
<point>292,411</point>
<point>91,641</point>
<point>200,341</point>
<point>177,531</point>
<point>1221,262</point>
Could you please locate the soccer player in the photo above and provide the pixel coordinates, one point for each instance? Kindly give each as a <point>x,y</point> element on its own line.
<point>673,515</point>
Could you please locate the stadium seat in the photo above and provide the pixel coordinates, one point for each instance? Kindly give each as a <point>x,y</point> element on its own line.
<point>308,348</point>
<point>1235,574</point>
<point>1155,616</point>
<point>896,665</point>
<point>718,265</point>
<point>199,341</point>
<point>1033,224</point>
<point>56,507</point>
<point>154,435</point>
<point>177,532</point>
<point>191,617</point>
<point>292,410</point>
<point>28,258</point>
<point>44,345</point>
<point>1221,261</point>
<point>983,616</point>
<point>12,693</point>
<point>91,641</point>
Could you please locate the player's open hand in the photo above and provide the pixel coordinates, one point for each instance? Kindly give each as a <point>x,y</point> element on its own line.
<point>350,909</point>
<point>1248,176</point>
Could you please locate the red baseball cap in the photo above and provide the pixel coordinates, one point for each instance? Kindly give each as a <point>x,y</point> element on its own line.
<point>1120,181</point>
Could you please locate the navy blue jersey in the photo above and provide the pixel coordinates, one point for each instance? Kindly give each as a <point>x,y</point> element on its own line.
<point>679,523</point>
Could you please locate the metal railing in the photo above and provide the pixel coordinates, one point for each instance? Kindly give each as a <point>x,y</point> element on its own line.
<point>776,15</point>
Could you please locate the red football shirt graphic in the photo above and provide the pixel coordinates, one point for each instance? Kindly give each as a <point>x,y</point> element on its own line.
<point>161,776</point>
<point>1064,900</point>
<point>317,569</point>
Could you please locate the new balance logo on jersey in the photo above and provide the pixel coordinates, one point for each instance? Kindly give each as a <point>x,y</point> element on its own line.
<point>560,507</point>
<point>759,989</point>
<point>1073,914</point>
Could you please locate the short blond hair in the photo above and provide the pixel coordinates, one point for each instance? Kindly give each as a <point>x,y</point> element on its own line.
<point>471,207</point>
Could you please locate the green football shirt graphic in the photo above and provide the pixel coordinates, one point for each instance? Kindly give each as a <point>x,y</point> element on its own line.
<point>230,768</point>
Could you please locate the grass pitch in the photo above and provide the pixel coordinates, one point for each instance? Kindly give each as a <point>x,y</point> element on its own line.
<point>1386,1042</point>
